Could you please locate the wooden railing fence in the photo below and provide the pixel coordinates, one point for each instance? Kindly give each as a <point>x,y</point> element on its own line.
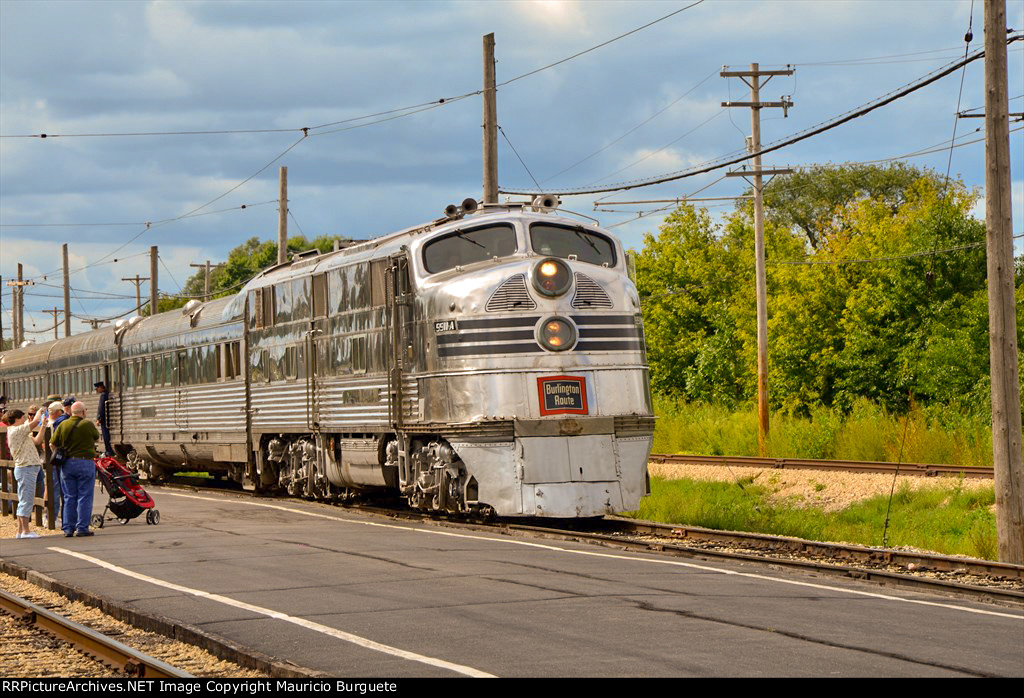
<point>9,488</point>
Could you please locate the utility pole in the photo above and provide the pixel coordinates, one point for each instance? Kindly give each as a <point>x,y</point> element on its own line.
<point>14,315</point>
<point>67,294</point>
<point>137,280</point>
<point>756,105</point>
<point>96,323</point>
<point>490,124</point>
<point>54,312</point>
<point>206,282</point>
<point>282,218</point>
<point>18,306</point>
<point>1007,457</point>
<point>20,295</point>
<point>154,287</point>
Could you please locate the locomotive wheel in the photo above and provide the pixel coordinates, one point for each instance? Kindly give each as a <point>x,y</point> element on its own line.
<point>153,517</point>
<point>97,520</point>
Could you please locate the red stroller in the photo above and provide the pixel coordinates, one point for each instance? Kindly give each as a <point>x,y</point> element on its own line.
<point>128,499</point>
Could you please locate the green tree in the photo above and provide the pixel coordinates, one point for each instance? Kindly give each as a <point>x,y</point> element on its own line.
<point>685,276</point>
<point>812,198</point>
<point>890,305</point>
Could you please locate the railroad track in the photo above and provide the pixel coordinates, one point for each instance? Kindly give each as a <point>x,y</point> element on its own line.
<point>981,580</point>
<point>919,469</point>
<point>970,578</point>
<point>98,647</point>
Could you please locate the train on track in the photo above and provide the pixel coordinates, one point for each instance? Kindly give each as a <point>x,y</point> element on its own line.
<point>489,362</point>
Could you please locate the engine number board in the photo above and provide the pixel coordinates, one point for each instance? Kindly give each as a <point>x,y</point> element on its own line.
<point>562,395</point>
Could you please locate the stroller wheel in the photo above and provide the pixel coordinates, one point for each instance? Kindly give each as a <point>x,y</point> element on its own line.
<point>97,520</point>
<point>153,517</point>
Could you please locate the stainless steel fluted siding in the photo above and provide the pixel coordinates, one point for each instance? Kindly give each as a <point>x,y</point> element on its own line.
<point>280,406</point>
<point>214,408</point>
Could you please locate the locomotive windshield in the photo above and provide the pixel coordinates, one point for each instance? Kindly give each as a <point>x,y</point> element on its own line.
<point>558,241</point>
<point>467,246</point>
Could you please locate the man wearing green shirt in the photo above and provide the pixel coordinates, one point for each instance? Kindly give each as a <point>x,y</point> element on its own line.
<point>78,435</point>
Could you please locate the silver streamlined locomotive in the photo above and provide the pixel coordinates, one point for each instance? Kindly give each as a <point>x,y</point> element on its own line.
<point>491,361</point>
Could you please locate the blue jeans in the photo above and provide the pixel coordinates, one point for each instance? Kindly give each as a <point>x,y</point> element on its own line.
<point>25,476</point>
<point>77,477</point>
<point>58,496</point>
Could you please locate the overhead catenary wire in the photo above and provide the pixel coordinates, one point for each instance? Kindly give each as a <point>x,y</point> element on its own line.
<point>927,150</point>
<point>168,270</point>
<point>906,425</point>
<point>642,123</point>
<point>296,222</point>
<point>938,147</point>
<point>795,138</point>
<point>194,211</point>
<point>601,45</point>
<point>390,113</point>
<point>664,147</point>
<point>505,136</point>
<point>241,207</point>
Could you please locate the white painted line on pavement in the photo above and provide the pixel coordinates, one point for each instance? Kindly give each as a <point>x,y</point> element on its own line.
<point>591,553</point>
<point>308,624</point>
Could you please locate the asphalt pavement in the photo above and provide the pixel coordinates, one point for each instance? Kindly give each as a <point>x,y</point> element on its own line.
<point>351,594</point>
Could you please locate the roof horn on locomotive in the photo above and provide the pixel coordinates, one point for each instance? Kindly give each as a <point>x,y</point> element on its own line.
<point>453,212</point>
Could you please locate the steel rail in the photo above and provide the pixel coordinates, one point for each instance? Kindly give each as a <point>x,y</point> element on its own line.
<point>887,566</point>
<point>887,577</point>
<point>836,551</point>
<point>95,644</point>
<point>915,469</point>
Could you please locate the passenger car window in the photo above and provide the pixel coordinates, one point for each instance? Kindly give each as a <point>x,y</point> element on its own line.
<point>467,246</point>
<point>558,241</point>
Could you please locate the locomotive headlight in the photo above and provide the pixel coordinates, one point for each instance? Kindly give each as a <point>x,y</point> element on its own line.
<point>557,334</point>
<point>552,277</point>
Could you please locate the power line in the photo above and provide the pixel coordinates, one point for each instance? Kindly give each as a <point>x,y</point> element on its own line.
<point>928,253</point>
<point>594,48</point>
<point>642,123</point>
<point>193,212</point>
<point>796,138</point>
<point>79,290</point>
<point>655,152</point>
<point>390,114</point>
<point>518,155</point>
<point>296,222</point>
<point>168,273</point>
<point>789,187</point>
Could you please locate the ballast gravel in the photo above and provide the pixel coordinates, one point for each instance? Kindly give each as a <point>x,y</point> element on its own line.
<point>829,490</point>
<point>26,652</point>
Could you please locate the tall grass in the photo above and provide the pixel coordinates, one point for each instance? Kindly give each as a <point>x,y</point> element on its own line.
<point>948,520</point>
<point>868,432</point>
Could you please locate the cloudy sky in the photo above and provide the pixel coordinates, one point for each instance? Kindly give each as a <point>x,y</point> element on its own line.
<point>641,106</point>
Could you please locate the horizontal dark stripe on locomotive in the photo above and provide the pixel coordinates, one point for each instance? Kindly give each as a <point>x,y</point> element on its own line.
<point>604,319</point>
<point>464,337</point>
<point>482,323</point>
<point>626,345</point>
<point>509,335</point>
<point>607,332</point>
<point>448,350</point>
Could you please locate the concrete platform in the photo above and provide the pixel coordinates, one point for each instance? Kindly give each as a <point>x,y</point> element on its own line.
<point>354,595</point>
